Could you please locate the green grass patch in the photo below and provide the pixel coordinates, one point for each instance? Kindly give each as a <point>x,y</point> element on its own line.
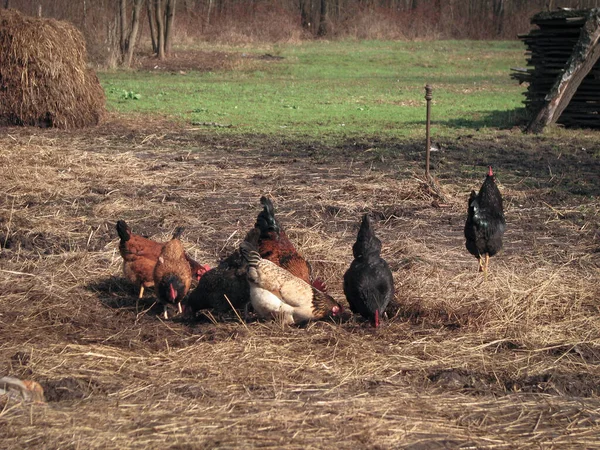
<point>338,89</point>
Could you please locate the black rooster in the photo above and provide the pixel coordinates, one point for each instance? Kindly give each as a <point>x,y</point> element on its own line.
<point>368,283</point>
<point>485,222</point>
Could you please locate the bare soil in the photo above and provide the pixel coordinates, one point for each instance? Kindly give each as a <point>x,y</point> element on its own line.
<point>511,361</point>
<point>202,61</point>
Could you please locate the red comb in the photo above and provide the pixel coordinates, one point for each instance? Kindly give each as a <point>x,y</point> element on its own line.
<point>490,173</point>
<point>319,285</point>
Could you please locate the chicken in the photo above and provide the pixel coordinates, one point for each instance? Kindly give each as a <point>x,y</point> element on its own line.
<point>485,223</point>
<point>275,246</point>
<point>228,279</point>
<point>172,275</point>
<point>368,283</point>
<point>226,285</point>
<point>21,390</point>
<point>275,292</point>
<point>140,255</point>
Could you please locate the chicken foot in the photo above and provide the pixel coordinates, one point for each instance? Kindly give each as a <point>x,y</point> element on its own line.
<point>484,262</point>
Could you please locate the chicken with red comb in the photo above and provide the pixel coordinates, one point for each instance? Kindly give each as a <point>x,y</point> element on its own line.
<point>368,283</point>
<point>274,245</point>
<point>485,225</point>
<point>172,275</point>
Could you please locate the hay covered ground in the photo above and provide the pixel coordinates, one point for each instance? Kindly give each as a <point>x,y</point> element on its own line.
<point>511,362</point>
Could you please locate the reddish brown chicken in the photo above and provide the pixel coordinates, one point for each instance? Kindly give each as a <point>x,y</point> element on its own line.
<point>172,275</point>
<point>274,246</point>
<point>140,255</point>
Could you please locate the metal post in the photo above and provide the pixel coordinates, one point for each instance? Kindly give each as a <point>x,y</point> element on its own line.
<point>428,97</point>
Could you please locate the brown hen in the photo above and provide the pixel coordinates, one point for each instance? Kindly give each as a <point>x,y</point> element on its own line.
<point>275,246</point>
<point>140,255</point>
<point>172,275</point>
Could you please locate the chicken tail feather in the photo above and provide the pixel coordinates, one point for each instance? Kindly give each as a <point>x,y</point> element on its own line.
<point>178,232</point>
<point>123,230</point>
<point>266,219</point>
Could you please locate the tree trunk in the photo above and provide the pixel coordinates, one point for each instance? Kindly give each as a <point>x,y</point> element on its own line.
<point>159,15</point>
<point>323,19</point>
<point>170,17</point>
<point>135,26</point>
<point>152,23</point>
<point>304,20</point>
<point>498,7</point>
<point>122,26</point>
<point>210,7</point>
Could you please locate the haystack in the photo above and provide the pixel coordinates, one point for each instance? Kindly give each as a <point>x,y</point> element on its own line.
<point>44,80</point>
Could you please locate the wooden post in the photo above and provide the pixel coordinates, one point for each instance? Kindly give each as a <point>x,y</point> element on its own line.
<point>428,97</point>
<point>585,55</point>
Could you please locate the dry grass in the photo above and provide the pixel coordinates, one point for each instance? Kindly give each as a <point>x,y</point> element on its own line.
<point>511,362</point>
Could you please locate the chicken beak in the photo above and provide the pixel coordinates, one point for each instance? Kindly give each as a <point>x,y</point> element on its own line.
<point>179,308</point>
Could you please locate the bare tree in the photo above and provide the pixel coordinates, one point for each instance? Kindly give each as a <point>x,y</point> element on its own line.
<point>209,10</point>
<point>170,17</point>
<point>163,15</point>
<point>152,23</point>
<point>128,32</point>
<point>322,31</point>
<point>498,10</point>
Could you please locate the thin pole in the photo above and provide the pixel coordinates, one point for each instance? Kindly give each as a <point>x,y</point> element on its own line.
<point>428,97</point>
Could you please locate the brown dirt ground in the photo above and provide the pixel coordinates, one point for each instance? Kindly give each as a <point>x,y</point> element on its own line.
<point>203,61</point>
<point>507,362</point>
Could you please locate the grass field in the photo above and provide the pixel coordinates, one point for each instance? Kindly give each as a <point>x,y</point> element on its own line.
<point>462,362</point>
<point>332,89</point>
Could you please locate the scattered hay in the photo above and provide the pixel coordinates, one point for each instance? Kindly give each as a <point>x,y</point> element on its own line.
<point>44,79</point>
<point>461,362</point>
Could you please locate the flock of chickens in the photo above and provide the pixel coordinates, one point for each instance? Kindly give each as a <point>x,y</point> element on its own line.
<point>268,273</point>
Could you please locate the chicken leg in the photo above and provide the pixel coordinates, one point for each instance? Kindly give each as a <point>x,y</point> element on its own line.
<point>484,262</point>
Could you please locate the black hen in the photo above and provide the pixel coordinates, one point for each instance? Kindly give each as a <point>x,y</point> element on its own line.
<point>368,283</point>
<point>485,222</point>
<point>228,279</point>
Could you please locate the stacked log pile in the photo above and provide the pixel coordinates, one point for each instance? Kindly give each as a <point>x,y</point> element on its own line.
<point>549,48</point>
